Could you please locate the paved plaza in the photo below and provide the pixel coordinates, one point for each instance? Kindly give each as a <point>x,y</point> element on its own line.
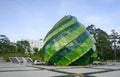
<point>28,70</point>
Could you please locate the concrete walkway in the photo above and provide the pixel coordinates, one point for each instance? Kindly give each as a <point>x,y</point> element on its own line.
<point>21,70</point>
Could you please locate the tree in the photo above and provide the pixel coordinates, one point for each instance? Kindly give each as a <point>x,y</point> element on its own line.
<point>114,38</point>
<point>4,39</point>
<point>23,46</point>
<point>4,44</point>
<point>103,45</point>
<point>12,47</point>
<point>36,50</point>
<point>92,30</point>
<point>41,54</point>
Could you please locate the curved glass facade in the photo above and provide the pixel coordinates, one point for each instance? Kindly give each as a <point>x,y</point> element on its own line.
<point>68,43</point>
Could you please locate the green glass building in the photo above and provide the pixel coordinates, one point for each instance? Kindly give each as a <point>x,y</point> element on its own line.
<point>68,43</point>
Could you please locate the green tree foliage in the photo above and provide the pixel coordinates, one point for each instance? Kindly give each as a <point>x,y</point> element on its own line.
<point>103,44</point>
<point>41,54</point>
<point>36,50</point>
<point>4,44</point>
<point>115,39</point>
<point>91,29</point>
<point>23,46</point>
<point>11,49</point>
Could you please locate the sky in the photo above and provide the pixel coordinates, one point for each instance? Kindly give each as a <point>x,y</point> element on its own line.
<point>32,19</point>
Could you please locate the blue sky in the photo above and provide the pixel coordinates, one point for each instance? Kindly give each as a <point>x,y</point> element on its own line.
<point>32,19</point>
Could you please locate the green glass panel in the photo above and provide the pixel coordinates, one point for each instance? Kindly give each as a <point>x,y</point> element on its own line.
<point>62,46</point>
<point>61,43</point>
<point>80,50</point>
<point>61,28</point>
<point>70,47</point>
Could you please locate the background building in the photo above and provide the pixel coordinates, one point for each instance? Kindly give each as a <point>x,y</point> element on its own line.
<point>36,43</point>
